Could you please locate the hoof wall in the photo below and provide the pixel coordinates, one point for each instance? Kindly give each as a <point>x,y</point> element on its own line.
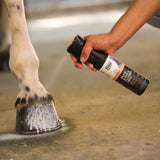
<point>37,118</point>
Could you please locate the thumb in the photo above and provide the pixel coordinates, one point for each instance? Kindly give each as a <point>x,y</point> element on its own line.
<point>86,51</point>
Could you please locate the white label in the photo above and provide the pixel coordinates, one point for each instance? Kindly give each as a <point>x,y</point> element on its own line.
<point>110,67</point>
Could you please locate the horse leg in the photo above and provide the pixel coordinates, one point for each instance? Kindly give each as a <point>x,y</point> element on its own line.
<point>5,38</point>
<point>35,108</point>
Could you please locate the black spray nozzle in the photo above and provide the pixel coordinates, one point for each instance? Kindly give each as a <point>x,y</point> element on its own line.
<point>97,57</point>
<point>75,47</point>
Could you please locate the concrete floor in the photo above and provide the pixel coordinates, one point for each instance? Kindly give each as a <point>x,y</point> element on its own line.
<point>102,120</point>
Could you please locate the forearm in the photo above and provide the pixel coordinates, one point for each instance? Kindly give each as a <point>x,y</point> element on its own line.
<point>139,12</point>
<point>135,17</point>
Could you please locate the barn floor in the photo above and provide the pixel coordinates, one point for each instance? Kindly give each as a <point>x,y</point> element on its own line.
<point>102,120</point>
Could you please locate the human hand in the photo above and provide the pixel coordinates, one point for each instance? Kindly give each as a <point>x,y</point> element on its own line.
<point>80,66</point>
<point>102,42</point>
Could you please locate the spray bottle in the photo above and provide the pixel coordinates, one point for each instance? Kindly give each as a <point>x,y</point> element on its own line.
<point>110,67</point>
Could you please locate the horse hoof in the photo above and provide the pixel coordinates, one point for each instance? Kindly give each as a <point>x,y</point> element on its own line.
<point>4,60</point>
<point>37,118</point>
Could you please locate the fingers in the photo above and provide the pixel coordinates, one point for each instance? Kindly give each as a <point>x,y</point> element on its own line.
<point>88,47</point>
<point>78,65</point>
<point>73,58</point>
<point>86,51</point>
<point>91,66</point>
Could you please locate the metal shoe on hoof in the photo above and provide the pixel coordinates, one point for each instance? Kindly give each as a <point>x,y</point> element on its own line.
<point>37,118</point>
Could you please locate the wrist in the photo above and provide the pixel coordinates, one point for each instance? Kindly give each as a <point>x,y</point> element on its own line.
<point>114,43</point>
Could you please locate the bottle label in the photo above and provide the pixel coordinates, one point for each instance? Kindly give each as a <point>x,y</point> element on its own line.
<point>112,67</point>
<point>132,80</point>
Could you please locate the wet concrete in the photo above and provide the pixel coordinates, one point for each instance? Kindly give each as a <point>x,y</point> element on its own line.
<point>102,120</point>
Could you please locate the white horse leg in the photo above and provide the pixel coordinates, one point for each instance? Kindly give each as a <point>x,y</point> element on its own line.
<point>35,109</point>
<point>5,38</point>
